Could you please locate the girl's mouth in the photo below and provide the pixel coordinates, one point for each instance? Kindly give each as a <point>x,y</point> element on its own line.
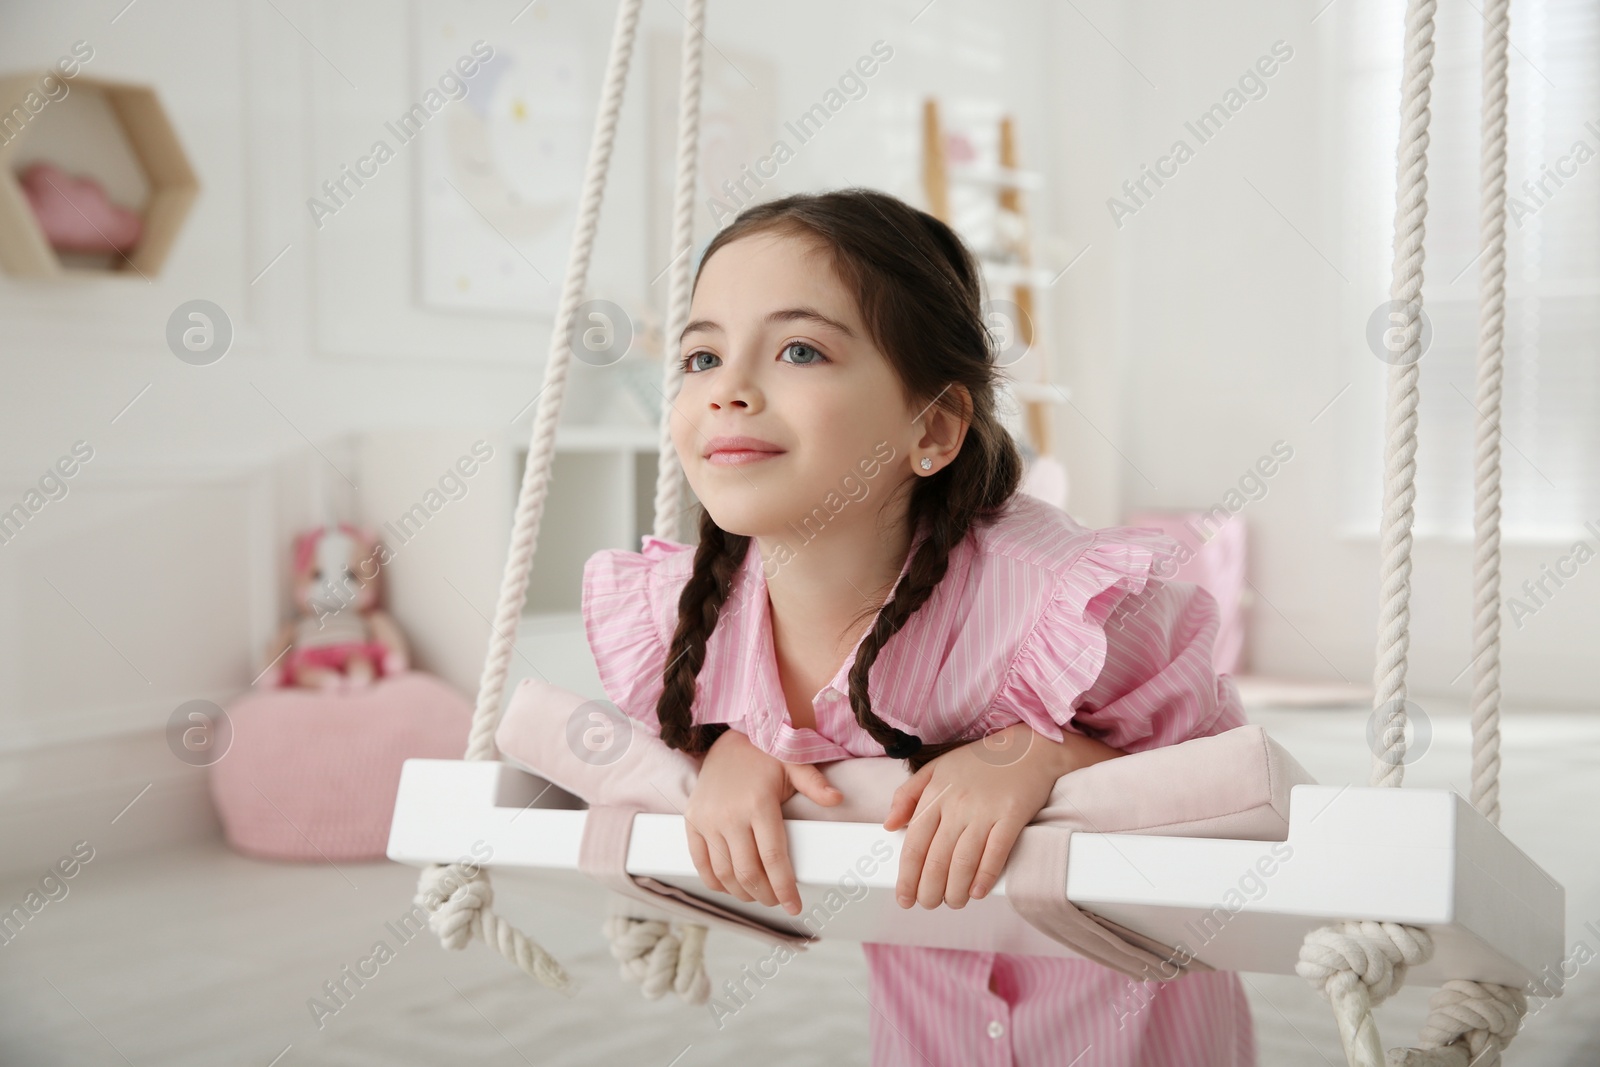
<point>738,457</point>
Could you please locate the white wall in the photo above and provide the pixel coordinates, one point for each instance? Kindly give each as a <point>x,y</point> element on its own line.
<point>1244,307</point>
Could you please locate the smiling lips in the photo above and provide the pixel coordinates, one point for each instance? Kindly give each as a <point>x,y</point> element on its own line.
<point>738,451</point>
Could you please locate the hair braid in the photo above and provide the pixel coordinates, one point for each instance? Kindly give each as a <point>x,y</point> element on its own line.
<point>715,563</point>
<point>927,569</point>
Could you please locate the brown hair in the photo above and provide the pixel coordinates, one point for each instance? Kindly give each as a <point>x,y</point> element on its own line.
<point>919,293</point>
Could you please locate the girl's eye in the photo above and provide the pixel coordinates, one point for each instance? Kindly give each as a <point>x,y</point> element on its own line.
<point>819,357</point>
<point>687,364</point>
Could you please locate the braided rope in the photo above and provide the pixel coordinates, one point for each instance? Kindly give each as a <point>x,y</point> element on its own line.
<point>651,955</point>
<point>1473,1022</point>
<point>457,902</point>
<point>1468,1023</point>
<point>466,912</point>
<point>669,480</point>
<point>1400,445</point>
<point>1491,358</point>
<point>542,445</point>
<point>660,960</point>
<point>1357,965</point>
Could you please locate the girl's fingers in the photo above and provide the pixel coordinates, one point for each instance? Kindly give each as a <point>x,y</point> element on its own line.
<point>912,850</point>
<point>902,805</point>
<point>1002,837</point>
<point>748,868</point>
<point>964,862</point>
<point>809,779</point>
<point>722,864</point>
<point>772,845</point>
<point>936,865</point>
<point>702,859</point>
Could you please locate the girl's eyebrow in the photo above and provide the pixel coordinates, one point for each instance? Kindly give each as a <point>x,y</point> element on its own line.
<point>794,314</point>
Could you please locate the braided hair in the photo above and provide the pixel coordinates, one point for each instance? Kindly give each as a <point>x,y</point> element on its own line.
<point>919,292</point>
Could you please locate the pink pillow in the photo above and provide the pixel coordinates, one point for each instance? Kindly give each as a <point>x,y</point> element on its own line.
<point>75,214</point>
<point>1234,784</point>
<point>593,750</point>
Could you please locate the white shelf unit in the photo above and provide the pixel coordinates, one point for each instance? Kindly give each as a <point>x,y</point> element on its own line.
<point>602,493</point>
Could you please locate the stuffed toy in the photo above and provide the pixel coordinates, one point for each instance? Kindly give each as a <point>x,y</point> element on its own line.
<point>340,638</point>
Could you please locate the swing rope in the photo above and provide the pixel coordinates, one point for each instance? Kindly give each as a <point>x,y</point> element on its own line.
<point>650,953</point>
<point>1357,965</point>
<point>1491,358</point>
<point>669,481</point>
<point>458,899</point>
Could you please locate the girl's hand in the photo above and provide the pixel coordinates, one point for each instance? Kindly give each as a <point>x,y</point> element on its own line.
<point>734,821</point>
<point>981,796</point>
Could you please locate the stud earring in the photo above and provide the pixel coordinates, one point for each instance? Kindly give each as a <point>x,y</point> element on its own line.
<point>927,464</point>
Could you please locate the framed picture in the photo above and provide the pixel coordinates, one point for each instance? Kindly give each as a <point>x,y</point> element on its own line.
<point>498,197</point>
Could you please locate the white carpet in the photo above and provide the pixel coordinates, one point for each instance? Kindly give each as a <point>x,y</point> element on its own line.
<point>200,957</point>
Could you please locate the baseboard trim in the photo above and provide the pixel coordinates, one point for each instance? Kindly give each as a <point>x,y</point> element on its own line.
<point>121,794</point>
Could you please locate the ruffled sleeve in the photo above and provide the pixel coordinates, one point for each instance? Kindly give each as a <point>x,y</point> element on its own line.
<point>621,603</point>
<point>1123,652</point>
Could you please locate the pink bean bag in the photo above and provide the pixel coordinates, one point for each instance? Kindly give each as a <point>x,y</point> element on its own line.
<point>312,775</point>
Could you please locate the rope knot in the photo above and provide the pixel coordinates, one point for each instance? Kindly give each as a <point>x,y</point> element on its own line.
<point>658,959</point>
<point>454,899</point>
<point>1377,954</point>
<point>1477,1018</point>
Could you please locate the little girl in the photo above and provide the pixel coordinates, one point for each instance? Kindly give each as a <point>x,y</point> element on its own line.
<point>869,581</point>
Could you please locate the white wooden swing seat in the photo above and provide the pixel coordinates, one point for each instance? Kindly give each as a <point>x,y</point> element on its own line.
<point>1385,883</point>
<point>1422,857</point>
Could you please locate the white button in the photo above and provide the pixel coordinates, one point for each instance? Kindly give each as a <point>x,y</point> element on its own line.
<point>996,1028</point>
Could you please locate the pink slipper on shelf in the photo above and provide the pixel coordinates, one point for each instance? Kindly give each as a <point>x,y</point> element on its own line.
<point>75,214</point>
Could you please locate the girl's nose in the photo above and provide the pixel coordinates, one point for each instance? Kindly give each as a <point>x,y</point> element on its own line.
<point>733,386</point>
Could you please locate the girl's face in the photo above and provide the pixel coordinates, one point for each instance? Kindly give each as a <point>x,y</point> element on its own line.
<point>775,351</point>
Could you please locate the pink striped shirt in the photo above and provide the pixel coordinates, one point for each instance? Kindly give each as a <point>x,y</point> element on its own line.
<point>1039,620</point>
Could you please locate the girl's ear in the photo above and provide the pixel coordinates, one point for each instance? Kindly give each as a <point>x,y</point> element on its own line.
<point>945,430</point>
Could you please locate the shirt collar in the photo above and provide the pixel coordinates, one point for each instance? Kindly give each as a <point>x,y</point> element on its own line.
<point>764,706</point>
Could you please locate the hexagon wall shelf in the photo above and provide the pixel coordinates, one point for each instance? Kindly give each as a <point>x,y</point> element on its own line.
<point>157,156</point>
